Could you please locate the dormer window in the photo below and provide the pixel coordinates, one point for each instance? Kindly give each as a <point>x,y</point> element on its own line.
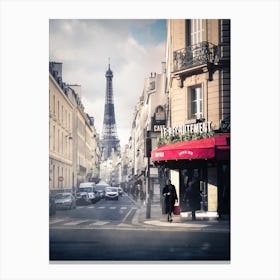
<point>152,85</point>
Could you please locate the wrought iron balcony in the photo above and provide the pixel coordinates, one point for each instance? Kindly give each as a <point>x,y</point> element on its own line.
<point>195,55</point>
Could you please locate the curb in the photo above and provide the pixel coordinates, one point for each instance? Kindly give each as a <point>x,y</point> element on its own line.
<point>207,224</point>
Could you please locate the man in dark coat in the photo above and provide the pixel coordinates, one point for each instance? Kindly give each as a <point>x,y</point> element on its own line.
<point>192,195</point>
<point>170,196</point>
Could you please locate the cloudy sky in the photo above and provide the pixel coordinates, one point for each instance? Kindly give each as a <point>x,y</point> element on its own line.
<point>135,47</point>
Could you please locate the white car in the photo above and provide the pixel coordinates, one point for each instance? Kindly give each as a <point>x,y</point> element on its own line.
<point>111,193</point>
<point>88,188</point>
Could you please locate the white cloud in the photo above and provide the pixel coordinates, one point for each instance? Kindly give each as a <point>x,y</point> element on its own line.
<point>84,47</point>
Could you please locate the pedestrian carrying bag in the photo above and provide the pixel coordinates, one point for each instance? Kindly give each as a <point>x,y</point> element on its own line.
<point>176,210</point>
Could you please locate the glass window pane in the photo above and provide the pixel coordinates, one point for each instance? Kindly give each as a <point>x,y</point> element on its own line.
<point>194,109</point>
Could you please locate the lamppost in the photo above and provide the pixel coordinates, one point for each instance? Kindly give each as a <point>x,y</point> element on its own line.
<point>148,148</point>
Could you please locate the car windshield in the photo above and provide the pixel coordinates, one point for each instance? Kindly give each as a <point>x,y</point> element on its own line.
<point>109,189</point>
<point>86,189</point>
<point>63,195</point>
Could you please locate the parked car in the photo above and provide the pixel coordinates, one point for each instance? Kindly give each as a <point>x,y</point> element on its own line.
<point>111,193</point>
<point>120,190</point>
<point>52,207</point>
<point>88,187</point>
<point>65,201</point>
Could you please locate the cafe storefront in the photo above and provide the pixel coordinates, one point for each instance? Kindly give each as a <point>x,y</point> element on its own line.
<point>208,159</point>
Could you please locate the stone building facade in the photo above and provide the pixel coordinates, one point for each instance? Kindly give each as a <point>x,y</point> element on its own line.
<point>73,149</point>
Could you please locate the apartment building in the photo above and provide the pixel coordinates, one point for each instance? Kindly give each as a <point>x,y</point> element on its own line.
<point>73,142</point>
<point>198,81</point>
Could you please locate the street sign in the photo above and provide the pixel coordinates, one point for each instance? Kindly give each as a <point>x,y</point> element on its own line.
<point>60,178</point>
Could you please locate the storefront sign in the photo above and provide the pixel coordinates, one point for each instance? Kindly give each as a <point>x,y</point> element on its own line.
<point>158,128</point>
<point>202,127</point>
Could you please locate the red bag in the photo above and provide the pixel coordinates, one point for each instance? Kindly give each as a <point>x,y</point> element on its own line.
<point>176,210</point>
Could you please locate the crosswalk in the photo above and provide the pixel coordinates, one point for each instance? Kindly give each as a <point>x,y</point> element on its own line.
<point>100,207</point>
<point>78,222</point>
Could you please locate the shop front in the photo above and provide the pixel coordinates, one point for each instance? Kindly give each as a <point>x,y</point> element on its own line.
<point>208,161</point>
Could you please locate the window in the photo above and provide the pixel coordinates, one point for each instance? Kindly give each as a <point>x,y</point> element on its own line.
<point>160,114</point>
<point>152,85</point>
<point>66,122</point>
<point>62,113</point>
<point>58,144</point>
<point>53,138</point>
<point>62,144</point>
<point>54,104</point>
<point>57,177</point>
<point>196,31</point>
<point>196,103</point>
<point>58,110</point>
<point>53,177</point>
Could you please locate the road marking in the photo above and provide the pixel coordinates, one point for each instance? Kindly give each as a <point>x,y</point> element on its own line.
<point>80,207</point>
<point>98,223</point>
<point>113,207</point>
<point>91,207</point>
<point>128,214</point>
<point>124,208</point>
<point>74,223</point>
<point>100,207</point>
<point>57,221</point>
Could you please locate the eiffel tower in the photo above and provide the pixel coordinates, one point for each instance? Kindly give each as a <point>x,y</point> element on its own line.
<point>109,141</point>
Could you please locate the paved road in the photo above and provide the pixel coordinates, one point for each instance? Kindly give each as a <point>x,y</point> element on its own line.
<point>103,212</point>
<point>104,232</point>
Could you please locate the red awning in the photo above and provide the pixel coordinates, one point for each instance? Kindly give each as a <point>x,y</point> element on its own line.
<point>195,149</point>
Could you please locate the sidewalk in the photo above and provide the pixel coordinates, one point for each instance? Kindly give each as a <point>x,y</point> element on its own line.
<point>205,221</point>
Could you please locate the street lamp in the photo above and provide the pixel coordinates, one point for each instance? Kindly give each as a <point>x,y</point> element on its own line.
<point>148,148</point>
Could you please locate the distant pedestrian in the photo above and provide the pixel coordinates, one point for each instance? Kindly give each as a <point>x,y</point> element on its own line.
<point>192,194</point>
<point>170,196</point>
<point>142,195</point>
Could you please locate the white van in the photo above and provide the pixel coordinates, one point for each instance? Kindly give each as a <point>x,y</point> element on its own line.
<point>88,187</point>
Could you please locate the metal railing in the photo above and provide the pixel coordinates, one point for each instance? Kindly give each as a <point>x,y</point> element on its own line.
<point>195,55</point>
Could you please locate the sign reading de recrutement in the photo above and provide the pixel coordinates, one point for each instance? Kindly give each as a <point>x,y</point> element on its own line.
<point>202,127</point>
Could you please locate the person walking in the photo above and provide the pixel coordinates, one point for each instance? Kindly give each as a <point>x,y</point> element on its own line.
<point>170,196</point>
<point>192,195</point>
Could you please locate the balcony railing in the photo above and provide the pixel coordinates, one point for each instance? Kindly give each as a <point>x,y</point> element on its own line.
<point>195,55</point>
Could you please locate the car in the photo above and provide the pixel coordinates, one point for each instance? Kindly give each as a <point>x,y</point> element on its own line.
<point>52,207</point>
<point>97,194</point>
<point>120,190</point>
<point>82,198</point>
<point>65,201</point>
<point>101,190</point>
<point>88,187</point>
<point>111,193</point>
